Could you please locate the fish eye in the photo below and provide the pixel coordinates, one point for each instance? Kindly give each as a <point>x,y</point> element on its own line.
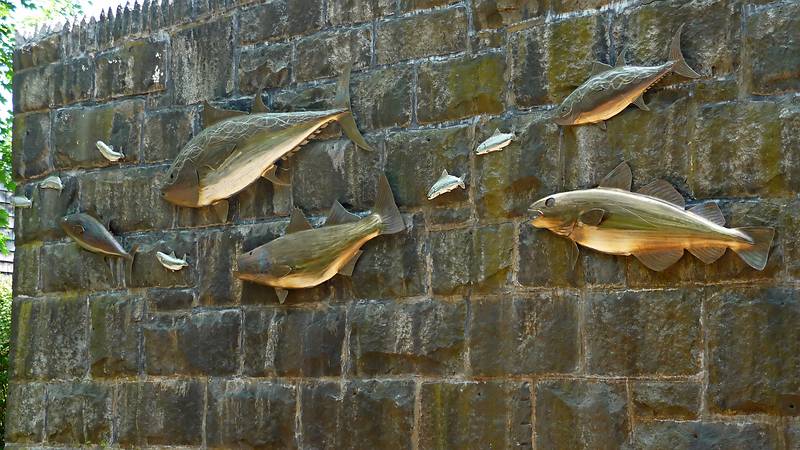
<point>563,109</point>
<point>550,202</point>
<point>171,176</point>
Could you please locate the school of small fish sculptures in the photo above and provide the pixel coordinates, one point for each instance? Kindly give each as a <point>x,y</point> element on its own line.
<point>236,148</point>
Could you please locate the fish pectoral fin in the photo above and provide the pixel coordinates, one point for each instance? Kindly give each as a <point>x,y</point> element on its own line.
<point>281,293</point>
<point>663,190</point>
<point>708,254</point>
<point>640,103</point>
<point>339,215</point>
<point>659,260</point>
<point>598,67</point>
<point>298,222</point>
<point>279,177</point>
<point>347,269</point>
<point>620,62</point>
<point>592,217</point>
<point>212,115</point>
<point>574,253</point>
<point>619,178</point>
<point>258,104</point>
<point>709,211</point>
<point>280,270</point>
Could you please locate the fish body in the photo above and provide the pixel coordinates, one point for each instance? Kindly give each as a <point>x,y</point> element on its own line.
<point>90,234</point>
<point>445,184</point>
<point>496,142</point>
<point>53,182</point>
<point>306,257</point>
<point>108,151</point>
<point>21,202</point>
<point>610,90</point>
<point>171,262</point>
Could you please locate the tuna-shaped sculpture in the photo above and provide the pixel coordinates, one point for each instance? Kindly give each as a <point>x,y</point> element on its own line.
<point>237,148</point>
<point>306,256</point>
<point>496,142</point>
<point>52,182</point>
<point>445,184</point>
<point>650,224</point>
<point>91,235</point>
<point>610,89</point>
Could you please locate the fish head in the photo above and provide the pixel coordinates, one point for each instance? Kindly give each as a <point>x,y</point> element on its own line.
<point>565,113</point>
<point>256,261</point>
<point>73,225</point>
<point>182,187</point>
<point>557,213</point>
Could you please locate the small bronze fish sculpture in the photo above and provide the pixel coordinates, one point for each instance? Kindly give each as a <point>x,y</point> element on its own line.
<point>237,148</point>
<point>91,235</point>
<point>445,184</point>
<point>108,151</point>
<point>171,262</point>
<point>650,224</point>
<point>611,89</point>
<point>52,182</point>
<point>21,202</point>
<point>496,142</point>
<point>306,256</point>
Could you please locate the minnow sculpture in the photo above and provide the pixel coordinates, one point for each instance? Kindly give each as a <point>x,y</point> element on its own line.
<point>306,256</point>
<point>611,89</point>
<point>237,148</point>
<point>91,235</point>
<point>171,262</point>
<point>108,151</point>
<point>496,142</point>
<point>650,224</point>
<point>53,182</point>
<point>445,184</point>
<point>21,202</point>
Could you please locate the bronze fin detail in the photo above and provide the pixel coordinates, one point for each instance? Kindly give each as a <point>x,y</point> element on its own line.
<point>660,259</point>
<point>298,222</point>
<point>212,115</point>
<point>619,178</point>
<point>339,215</point>
<point>663,190</point>
<point>347,269</point>
<point>710,211</point>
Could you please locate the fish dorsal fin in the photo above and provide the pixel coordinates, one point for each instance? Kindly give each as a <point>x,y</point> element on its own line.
<point>298,222</point>
<point>212,115</point>
<point>598,67</point>
<point>258,104</point>
<point>663,190</point>
<point>592,217</point>
<point>172,254</point>
<point>347,269</point>
<point>339,215</point>
<point>620,58</point>
<point>709,211</point>
<point>496,132</point>
<point>659,260</point>
<point>619,178</point>
<point>444,173</point>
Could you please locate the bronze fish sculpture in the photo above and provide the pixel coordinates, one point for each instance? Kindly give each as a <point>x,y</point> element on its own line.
<point>237,148</point>
<point>611,89</point>
<point>651,224</point>
<point>91,235</point>
<point>306,256</point>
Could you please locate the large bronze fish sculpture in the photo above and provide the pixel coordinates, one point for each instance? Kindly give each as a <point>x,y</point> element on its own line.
<point>91,235</point>
<point>650,224</point>
<point>611,89</point>
<point>237,148</point>
<point>306,256</point>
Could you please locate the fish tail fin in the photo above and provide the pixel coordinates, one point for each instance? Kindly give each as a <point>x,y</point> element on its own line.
<point>386,208</point>
<point>679,64</point>
<point>756,254</point>
<point>346,121</point>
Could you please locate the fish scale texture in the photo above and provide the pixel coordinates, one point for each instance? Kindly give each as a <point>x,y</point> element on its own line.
<point>467,330</point>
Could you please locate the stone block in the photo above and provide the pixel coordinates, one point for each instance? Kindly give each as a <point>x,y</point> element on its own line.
<point>199,343</point>
<point>166,132</point>
<point>26,273</point>
<point>33,88</point>
<point>461,88</point>
<point>666,400</point>
<point>256,201</point>
<point>72,81</point>
<point>666,435</point>
<point>218,251</point>
<point>575,409</point>
<point>265,66</point>
<point>294,342</point>
<point>422,338</point>
<point>78,413</point>
<point>411,5</point>
<point>136,67</point>
<point>489,14</point>
<point>528,51</point>
<point>382,98</point>
<point>323,55</point>
<point>205,68</point>
<point>38,53</point>
<point>70,267</point>
<point>49,338</point>
<point>574,44</point>
<point>24,413</point>
<point>772,43</point>
<point>436,33</point>
<point>643,332</point>
<point>148,271</point>
<point>355,11</point>
<point>160,413</point>
<point>523,335</point>
<point>358,414</point>
<point>752,346</point>
<point>31,144</point>
<point>280,19</point>
<point>41,220</point>
<point>475,415</point>
<point>253,414</point>
<point>77,130</point>
<point>114,335</point>
<point>566,6</point>
<point>451,257</point>
<point>165,300</point>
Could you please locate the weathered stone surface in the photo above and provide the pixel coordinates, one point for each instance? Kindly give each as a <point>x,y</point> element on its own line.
<point>31,143</point>
<point>673,435</point>
<point>38,53</point>
<point>665,399</point>
<point>148,271</point>
<point>488,14</point>
<point>72,81</point>
<point>746,369</point>
<point>216,256</point>
<point>76,131</point>
<point>460,88</point>
<point>528,50</point>
<point>410,5</point>
<point>265,66</point>
<point>253,414</point>
<point>160,413</point>
<point>26,272</point>
<point>425,337</point>
<point>24,413</point>
<point>382,98</point>
<point>279,18</point>
<point>256,201</point>
<point>643,332</point>
<point>166,132</point>
<point>451,254</point>
<point>530,334</point>
<point>793,435</point>
<point>323,55</point>
<point>360,414</point>
<point>574,44</point>
<point>164,300</point>
<point>41,220</point>
<point>436,33</point>
<point>135,68</point>
<point>33,89</point>
<point>205,68</point>
<point>477,415</point>
<point>575,410</point>
<point>199,343</point>
<point>78,413</point>
<point>353,11</point>
<point>771,41</point>
<point>294,342</point>
<point>69,267</point>
<point>49,338</point>
<point>114,335</point>
<point>564,6</point>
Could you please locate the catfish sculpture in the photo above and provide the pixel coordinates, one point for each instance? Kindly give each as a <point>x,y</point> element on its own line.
<point>306,256</point>
<point>650,224</point>
<point>91,235</point>
<point>610,89</point>
<point>237,148</point>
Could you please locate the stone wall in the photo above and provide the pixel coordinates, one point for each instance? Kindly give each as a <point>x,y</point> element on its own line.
<point>466,331</point>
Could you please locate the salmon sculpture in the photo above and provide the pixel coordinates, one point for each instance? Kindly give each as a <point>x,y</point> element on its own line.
<point>306,257</point>
<point>91,235</point>
<point>611,89</point>
<point>650,224</point>
<point>237,148</point>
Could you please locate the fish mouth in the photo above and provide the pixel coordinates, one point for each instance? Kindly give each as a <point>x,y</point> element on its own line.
<point>536,213</point>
